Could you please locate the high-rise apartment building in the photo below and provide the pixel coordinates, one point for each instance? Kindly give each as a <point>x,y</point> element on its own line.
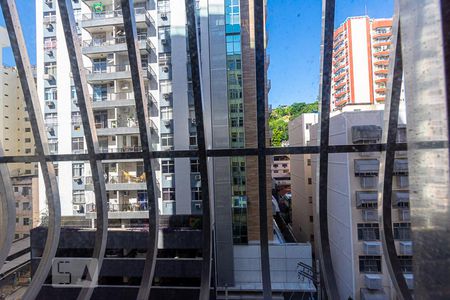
<point>15,129</point>
<point>356,251</point>
<point>360,61</point>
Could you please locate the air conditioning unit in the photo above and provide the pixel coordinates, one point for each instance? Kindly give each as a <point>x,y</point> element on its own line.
<point>49,26</point>
<point>406,248</point>
<point>372,248</point>
<point>373,282</point>
<point>166,122</point>
<point>76,207</point>
<point>193,121</point>
<point>198,177</point>
<point>50,52</point>
<point>165,69</point>
<point>198,205</point>
<point>164,16</point>
<point>166,96</point>
<point>75,102</point>
<point>163,41</point>
<point>125,86</point>
<point>48,77</point>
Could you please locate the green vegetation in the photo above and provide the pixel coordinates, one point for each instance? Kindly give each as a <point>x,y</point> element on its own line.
<point>280,116</point>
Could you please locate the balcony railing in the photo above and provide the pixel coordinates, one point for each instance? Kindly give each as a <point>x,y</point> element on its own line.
<point>140,206</point>
<point>110,41</point>
<point>112,14</point>
<point>104,68</point>
<point>120,179</point>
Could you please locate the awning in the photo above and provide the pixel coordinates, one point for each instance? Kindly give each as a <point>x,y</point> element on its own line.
<point>366,198</point>
<point>401,166</point>
<point>366,133</point>
<point>366,167</point>
<point>399,198</point>
<point>373,295</point>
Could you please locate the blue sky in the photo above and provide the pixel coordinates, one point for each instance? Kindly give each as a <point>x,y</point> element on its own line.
<point>294,30</point>
<point>294,41</point>
<point>26,9</point>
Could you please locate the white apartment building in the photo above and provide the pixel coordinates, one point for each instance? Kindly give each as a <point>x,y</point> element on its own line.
<point>360,62</point>
<point>161,28</point>
<point>301,179</point>
<point>356,250</point>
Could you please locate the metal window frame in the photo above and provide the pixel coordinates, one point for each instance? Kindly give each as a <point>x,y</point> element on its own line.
<point>389,146</point>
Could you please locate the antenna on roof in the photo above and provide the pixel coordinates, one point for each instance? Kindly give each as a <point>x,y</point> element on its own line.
<point>365,8</point>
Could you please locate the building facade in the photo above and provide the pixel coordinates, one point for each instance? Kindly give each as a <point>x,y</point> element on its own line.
<point>228,70</point>
<point>301,178</point>
<point>356,250</point>
<point>360,62</point>
<point>28,215</point>
<point>15,130</point>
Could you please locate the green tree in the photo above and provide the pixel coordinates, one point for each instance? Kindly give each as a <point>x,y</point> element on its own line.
<point>280,117</point>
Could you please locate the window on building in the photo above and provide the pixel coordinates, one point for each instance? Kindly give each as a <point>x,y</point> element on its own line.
<point>16,236</point>
<point>77,145</point>
<point>370,264</point>
<point>406,263</point>
<point>310,198</point>
<point>50,94</point>
<point>166,140</point>
<point>27,129</point>
<point>27,150</point>
<point>193,140</point>
<point>27,140</point>
<point>194,166</point>
<point>78,197</point>
<point>309,180</point>
<point>168,194</point>
<point>26,190</point>
<point>26,221</point>
<point>402,231</point>
<point>168,166</point>
<point>26,206</point>
<point>17,220</point>
<point>196,193</point>
<point>166,113</point>
<point>308,161</point>
<point>78,170</point>
<point>50,68</point>
<point>311,219</point>
<point>368,232</point>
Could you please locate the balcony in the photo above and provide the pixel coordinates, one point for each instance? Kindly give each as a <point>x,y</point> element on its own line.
<point>113,100</point>
<point>104,72</point>
<point>117,127</point>
<point>114,18</point>
<point>138,210</point>
<point>125,182</point>
<point>115,44</point>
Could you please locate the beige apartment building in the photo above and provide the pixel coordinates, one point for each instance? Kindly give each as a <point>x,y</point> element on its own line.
<point>27,204</point>
<point>301,179</point>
